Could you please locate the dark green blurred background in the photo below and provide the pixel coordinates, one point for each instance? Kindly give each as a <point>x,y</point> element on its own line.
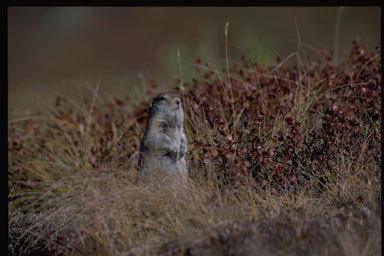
<point>58,50</point>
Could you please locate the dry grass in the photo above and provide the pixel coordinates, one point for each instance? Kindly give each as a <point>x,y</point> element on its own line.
<point>74,190</point>
<point>116,215</point>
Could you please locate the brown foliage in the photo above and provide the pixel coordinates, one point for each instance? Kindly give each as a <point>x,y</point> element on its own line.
<point>301,137</point>
<point>276,126</point>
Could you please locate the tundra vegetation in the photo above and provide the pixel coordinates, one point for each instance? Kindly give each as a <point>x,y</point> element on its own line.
<point>283,160</point>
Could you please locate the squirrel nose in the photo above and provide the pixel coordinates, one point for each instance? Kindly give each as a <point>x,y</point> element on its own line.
<point>178,101</point>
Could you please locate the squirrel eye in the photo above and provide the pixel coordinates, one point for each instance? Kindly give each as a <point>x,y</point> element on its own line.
<point>161,98</point>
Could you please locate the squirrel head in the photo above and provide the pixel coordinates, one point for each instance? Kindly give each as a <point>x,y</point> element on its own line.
<point>167,108</point>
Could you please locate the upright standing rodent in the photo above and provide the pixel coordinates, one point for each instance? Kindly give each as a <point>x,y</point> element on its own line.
<point>164,145</point>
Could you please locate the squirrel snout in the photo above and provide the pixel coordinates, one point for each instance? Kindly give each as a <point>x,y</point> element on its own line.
<point>178,101</point>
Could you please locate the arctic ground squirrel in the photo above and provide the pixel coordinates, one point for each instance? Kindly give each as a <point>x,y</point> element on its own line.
<point>163,147</point>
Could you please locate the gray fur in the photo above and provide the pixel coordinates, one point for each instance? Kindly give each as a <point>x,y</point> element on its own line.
<point>163,148</point>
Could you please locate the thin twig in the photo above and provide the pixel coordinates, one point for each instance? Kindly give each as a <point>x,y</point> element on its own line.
<point>93,103</point>
<point>229,75</point>
<point>337,34</point>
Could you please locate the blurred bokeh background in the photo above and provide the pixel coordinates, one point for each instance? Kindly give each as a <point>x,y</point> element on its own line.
<point>61,51</point>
